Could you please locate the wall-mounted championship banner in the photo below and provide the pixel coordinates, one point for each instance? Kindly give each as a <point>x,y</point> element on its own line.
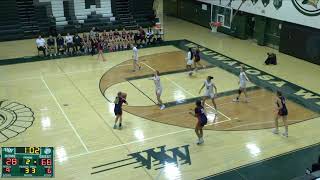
<point>303,12</point>
<point>254,1</point>
<point>277,3</point>
<point>265,2</point>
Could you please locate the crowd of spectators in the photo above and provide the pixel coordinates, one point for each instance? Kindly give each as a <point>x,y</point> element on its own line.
<point>89,43</point>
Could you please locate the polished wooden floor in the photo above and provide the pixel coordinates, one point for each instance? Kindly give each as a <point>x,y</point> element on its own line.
<point>258,114</point>
<point>69,100</point>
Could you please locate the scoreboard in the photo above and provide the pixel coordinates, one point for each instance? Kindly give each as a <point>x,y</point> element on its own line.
<point>27,161</point>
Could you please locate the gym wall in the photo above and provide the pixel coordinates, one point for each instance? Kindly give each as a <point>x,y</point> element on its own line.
<point>302,12</point>
<point>264,30</point>
<point>300,41</point>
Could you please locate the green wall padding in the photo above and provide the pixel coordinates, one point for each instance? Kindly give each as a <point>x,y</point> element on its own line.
<point>260,28</point>
<point>170,7</point>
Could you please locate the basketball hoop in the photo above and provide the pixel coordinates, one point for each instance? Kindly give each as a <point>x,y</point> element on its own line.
<point>214,26</point>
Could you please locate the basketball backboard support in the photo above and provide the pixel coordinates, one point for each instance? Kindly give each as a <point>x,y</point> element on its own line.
<point>222,14</point>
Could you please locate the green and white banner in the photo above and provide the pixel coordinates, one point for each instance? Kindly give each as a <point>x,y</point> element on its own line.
<point>303,12</point>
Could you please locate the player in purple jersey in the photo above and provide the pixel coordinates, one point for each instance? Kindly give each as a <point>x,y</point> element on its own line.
<point>120,99</point>
<point>200,113</point>
<point>281,111</point>
<point>197,59</point>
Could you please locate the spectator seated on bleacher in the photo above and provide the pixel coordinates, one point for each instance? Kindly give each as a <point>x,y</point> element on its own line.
<point>104,34</point>
<point>116,33</point>
<point>60,44</point>
<point>93,46</point>
<point>130,37</point>
<point>124,33</point>
<point>69,41</point>
<point>41,45</point>
<point>85,43</point>
<point>150,36</point>
<point>77,43</point>
<point>271,59</point>
<point>159,35</point>
<point>93,33</point>
<point>90,42</point>
<point>136,37</point>
<point>142,36</point>
<point>51,42</point>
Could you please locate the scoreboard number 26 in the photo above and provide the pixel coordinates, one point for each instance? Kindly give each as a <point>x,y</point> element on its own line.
<point>11,161</point>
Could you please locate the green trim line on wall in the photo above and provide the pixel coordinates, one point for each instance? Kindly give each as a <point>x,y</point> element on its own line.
<point>300,95</point>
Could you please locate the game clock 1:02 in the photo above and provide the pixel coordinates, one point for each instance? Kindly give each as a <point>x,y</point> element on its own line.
<point>27,161</point>
<point>28,150</point>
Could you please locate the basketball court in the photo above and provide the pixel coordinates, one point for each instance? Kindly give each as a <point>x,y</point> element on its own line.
<point>68,104</point>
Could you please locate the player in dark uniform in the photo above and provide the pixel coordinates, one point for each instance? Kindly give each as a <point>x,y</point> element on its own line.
<point>281,111</point>
<point>197,59</point>
<point>51,42</point>
<point>120,99</point>
<point>100,49</point>
<point>199,112</point>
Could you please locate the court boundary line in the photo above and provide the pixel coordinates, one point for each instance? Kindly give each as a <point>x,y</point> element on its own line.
<point>137,141</point>
<point>143,140</point>
<point>125,144</point>
<point>100,116</point>
<point>65,115</point>
<point>183,89</point>
<point>142,92</point>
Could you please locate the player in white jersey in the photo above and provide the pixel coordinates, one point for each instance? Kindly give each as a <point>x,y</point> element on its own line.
<point>243,85</point>
<point>189,61</point>
<point>135,58</point>
<point>209,93</point>
<point>157,83</point>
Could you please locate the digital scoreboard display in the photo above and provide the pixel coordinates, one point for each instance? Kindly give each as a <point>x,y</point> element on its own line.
<point>27,161</point>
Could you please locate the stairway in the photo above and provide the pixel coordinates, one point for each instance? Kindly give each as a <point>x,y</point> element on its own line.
<point>10,27</point>
<point>123,13</point>
<point>142,12</point>
<point>27,15</point>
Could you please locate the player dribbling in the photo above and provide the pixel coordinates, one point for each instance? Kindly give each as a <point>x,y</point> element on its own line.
<point>243,85</point>
<point>209,94</point>
<point>120,99</point>
<point>157,83</point>
<point>200,113</point>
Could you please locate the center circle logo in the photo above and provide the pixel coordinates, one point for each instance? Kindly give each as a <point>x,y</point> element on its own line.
<point>15,118</point>
<point>307,7</point>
